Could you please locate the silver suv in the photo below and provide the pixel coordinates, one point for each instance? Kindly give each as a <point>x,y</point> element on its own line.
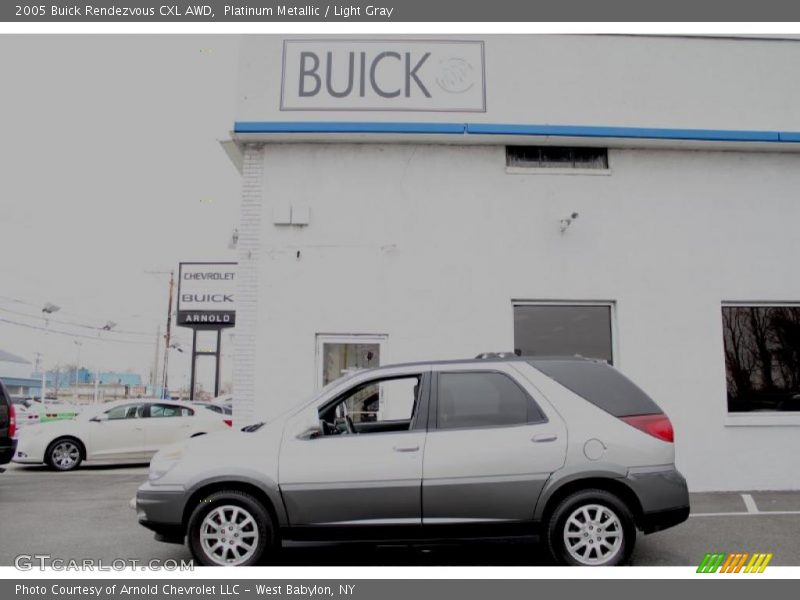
<point>565,449</point>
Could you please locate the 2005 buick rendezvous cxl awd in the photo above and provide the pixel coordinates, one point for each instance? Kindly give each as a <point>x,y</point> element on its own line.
<point>567,449</point>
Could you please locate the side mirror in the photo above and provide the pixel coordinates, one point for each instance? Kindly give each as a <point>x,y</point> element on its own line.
<point>99,418</point>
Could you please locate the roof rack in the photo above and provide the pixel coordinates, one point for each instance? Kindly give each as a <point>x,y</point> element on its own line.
<point>488,355</point>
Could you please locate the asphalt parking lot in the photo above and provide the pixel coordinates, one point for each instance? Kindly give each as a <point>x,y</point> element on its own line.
<point>85,514</point>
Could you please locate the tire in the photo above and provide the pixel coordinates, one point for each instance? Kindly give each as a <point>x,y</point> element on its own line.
<point>573,539</point>
<point>64,454</point>
<point>246,519</point>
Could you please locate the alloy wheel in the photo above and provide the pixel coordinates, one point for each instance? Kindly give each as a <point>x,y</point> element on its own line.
<point>65,455</point>
<point>593,534</point>
<point>229,535</point>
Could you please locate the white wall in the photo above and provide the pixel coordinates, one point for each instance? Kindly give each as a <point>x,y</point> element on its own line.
<point>429,245</point>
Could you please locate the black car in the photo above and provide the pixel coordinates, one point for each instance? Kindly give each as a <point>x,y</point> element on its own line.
<point>8,427</point>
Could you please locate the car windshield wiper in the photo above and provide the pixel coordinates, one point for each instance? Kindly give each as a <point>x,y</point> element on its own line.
<point>253,427</point>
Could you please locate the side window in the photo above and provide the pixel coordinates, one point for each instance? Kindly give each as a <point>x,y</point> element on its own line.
<point>169,410</point>
<point>129,411</point>
<point>378,406</point>
<point>476,399</point>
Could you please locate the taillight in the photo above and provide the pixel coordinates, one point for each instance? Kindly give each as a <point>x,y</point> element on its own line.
<point>228,422</point>
<point>12,421</point>
<point>659,426</point>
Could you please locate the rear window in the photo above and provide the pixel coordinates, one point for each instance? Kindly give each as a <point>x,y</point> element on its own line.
<point>600,384</point>
<point>482,399</point>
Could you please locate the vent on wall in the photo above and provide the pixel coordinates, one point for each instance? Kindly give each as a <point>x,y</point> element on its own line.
<point>556,157</point>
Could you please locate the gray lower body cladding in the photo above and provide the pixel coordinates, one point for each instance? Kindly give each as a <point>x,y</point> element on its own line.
<point>661,491</point>
<point>162,511</point>
<point>663,495</point>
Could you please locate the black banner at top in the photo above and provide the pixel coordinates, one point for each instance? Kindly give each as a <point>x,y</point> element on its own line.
<point>144,11</point>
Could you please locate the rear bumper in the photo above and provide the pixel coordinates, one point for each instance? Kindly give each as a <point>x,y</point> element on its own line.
<point>664,519</point>
<point>663,495</point>
<point>7,449</point>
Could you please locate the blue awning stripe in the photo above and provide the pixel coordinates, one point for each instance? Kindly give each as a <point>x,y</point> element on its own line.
<point>643,133</point>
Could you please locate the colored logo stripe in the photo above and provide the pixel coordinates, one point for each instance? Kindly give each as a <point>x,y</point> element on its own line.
<point>711,562</point>
<point>734,562</point>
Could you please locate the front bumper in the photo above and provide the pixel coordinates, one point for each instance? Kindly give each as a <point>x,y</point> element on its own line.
<point>663,495</point>
<point>160,509</point>
<point>7,451</point>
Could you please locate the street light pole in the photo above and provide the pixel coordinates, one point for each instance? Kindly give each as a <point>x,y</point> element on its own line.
<point>77,369</point>
<point>48,310</point>
<point>107,327</point>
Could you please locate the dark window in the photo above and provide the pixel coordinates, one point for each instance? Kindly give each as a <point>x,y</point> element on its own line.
<point>762,357</point>
<point>472,399</point>
<point>563,330</point>
<point>128,411</point>
<point>556,157</point>
<point>169,410</point>
<point>600,384</point>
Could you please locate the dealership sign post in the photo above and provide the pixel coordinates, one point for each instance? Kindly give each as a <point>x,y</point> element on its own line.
<point>206,302</point>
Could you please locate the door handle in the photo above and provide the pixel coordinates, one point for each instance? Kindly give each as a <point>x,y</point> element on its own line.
<point>544,437</point>
<point>406,448</point>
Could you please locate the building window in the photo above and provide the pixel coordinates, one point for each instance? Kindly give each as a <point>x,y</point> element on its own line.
<point>556,157</point>
<point>564,330</point>
<point>762,357</point>
<point>338,355</point>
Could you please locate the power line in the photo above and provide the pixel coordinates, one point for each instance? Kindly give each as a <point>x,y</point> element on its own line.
<point>73,335</point>
<point>72,323</point>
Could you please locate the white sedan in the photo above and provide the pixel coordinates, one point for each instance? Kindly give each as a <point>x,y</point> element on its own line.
<point>125,431</point>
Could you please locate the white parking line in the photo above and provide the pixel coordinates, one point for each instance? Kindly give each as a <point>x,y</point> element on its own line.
<point>747,514</point>
<point>750,503</point>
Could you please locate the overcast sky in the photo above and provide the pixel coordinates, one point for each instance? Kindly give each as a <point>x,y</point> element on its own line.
<point>110,166</point>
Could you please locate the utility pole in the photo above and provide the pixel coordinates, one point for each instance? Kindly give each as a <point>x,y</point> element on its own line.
<point>154,379</point>
<point>167,337</point>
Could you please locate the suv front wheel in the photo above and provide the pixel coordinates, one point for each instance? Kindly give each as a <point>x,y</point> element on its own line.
<point>230,528</point>
<point>591,528</point>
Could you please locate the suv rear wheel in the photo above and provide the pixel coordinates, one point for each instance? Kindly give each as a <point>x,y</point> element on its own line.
<point>591,528</point>
<point>230,528</point>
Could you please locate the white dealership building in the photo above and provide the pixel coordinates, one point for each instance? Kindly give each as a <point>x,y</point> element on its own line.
<point>633,199</point>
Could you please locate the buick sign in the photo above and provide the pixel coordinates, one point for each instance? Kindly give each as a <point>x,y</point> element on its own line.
<point>206,295</point>
<point>353,75</point>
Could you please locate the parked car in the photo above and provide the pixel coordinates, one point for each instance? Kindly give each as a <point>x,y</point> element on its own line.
<point>53,410</point>
<point>21,410</point>
<point>218,407</point>
<point>124,431</point>
<point>8,427</point>
<point>564,448</point>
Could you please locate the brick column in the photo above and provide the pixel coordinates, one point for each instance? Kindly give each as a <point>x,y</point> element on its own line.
<point>249,247</point>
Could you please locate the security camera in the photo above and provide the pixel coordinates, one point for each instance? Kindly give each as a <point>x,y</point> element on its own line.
<point>567,221</point>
